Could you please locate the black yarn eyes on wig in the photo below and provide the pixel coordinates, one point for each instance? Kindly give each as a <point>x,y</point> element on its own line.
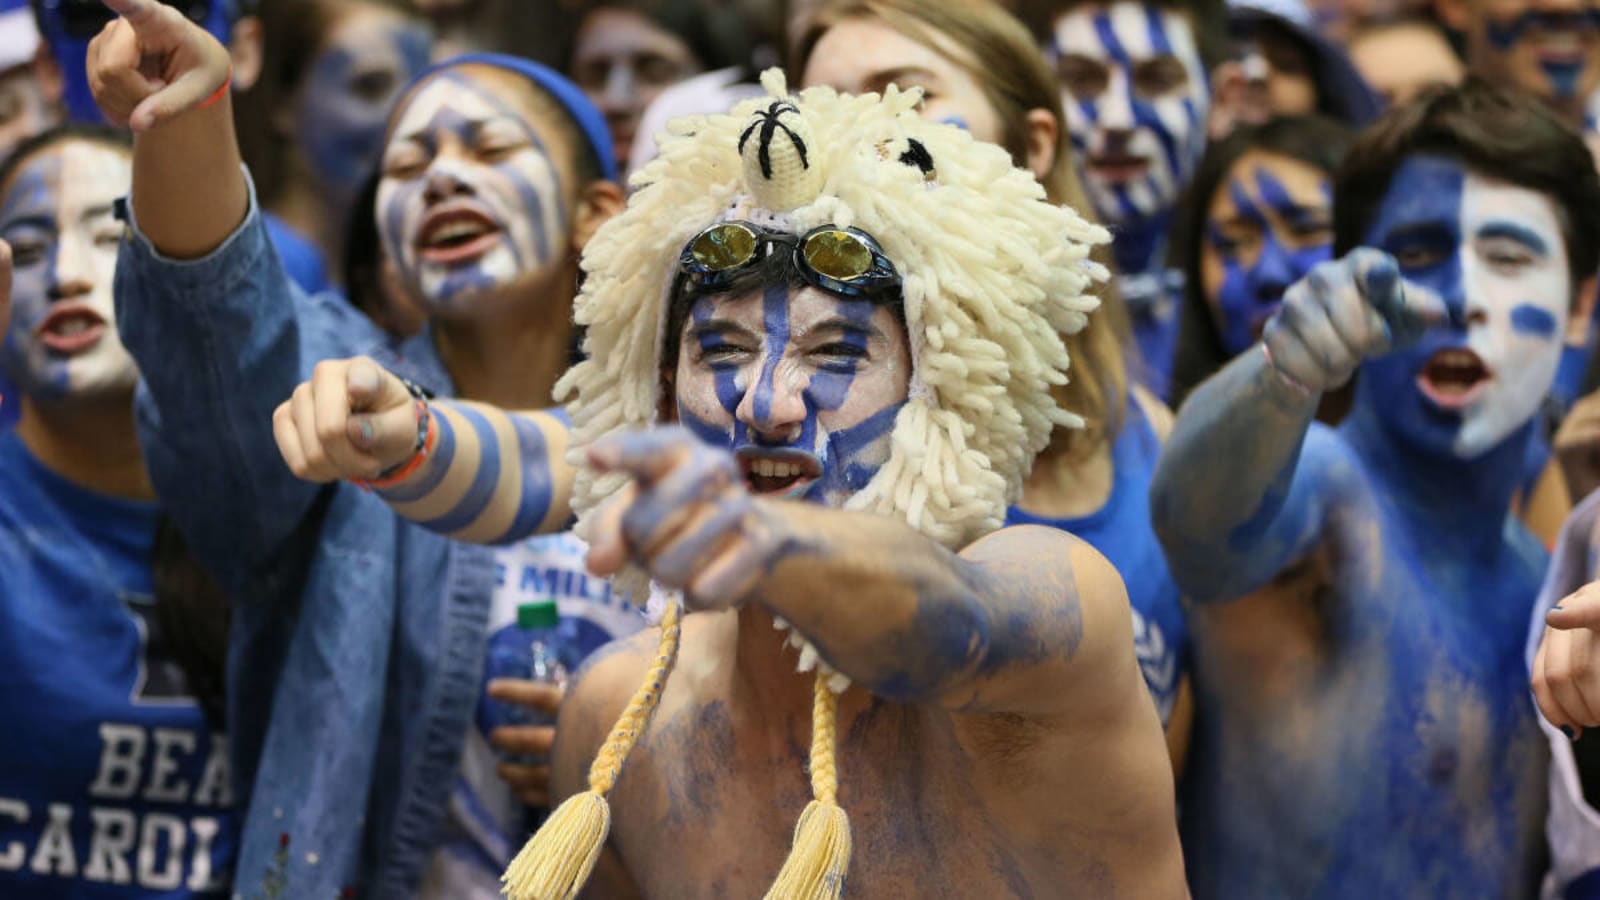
<point>917,155</point>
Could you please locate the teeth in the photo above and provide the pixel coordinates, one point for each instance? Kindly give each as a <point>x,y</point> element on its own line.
<point>73,326</point>
<point>765,467</point>
<point>455,230</point>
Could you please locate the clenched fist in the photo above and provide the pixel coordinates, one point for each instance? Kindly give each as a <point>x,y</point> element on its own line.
<point>152,64</point>
<point>1344,312</point>
<point>353,419</point>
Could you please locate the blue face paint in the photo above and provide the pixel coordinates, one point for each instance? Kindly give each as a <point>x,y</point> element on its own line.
<point>347,96</point>
<point>957,121</point>
<point>1530,319</point>
<point>753,395</point>
<point>1563,74</point>
<point>1253,285</point>
<point>1115,127</point>
<point>57,216</point>
<point>495,167</point>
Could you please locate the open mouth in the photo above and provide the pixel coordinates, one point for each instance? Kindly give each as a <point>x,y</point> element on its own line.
<point>1118,166</point>
<point>1454,377</point>
<point>71,329</point>
<point>787,472</point>
<point>455,236</point>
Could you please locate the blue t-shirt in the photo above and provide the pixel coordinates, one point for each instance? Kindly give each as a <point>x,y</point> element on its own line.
<point>1122,532</point>
<point>112,785</point>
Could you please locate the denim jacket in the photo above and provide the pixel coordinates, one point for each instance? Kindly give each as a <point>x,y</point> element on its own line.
<point>358,638</point>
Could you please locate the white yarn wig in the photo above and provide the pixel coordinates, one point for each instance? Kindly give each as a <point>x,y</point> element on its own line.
<point>992,276</point>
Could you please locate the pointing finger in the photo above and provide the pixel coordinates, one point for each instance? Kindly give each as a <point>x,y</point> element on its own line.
<point>646,455</point>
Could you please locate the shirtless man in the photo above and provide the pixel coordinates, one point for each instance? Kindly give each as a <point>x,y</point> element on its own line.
<point>1360,596</point>
<point>837,470</point>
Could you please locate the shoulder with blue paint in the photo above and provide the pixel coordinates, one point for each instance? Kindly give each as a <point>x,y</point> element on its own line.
<point>1380,560</point>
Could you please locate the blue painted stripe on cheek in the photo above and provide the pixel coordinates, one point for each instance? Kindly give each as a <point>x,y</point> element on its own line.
<point>729,394</point>
<point>1533,320</point>
<point>484,481</point>
<point>711,434</point>
<point>444,453</point>
<point>775,316</point>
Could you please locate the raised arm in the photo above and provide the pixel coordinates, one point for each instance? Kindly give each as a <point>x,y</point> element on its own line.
<point>1021,621</point>
<point>218,330</point>
<point>467,470</point>
<point>1232,501</point>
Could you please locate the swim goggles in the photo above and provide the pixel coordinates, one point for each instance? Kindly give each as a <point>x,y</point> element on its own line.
<point>844,261</point>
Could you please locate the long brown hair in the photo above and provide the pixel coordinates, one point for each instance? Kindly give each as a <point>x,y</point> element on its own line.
<point>1000,55</point>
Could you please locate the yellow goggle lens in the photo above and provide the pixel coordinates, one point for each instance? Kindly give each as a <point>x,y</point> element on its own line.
<point>723,247</point>
<point>838,254</point>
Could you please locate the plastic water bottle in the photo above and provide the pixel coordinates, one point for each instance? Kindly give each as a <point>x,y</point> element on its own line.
<point>530,650</point>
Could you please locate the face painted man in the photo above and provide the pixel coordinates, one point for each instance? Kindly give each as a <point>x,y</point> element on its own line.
<point>1135,85</point>
<point>1361,595</point>
<point>787,318</point>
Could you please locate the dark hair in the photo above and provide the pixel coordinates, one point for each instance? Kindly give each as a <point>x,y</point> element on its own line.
<point>718,34</point>
<point>1314,140</point>
<point>72,131</point>
<point>1500,132</point>
<point>1208,18</point>
<point>293,33</point>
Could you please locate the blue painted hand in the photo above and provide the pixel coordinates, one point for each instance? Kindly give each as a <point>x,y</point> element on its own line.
<point>688,518</point>
<point>1344,312</point>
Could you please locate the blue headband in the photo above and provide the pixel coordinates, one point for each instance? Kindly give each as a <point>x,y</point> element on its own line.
<point>589,120</point>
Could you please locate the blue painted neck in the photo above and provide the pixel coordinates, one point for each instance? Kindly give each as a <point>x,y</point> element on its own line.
<point>1464,502</point>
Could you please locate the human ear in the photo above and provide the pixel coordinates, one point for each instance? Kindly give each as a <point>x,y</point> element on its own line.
<point>244,47</point>
<point>1043,133</point>
<point>599,201</point>
<point>1582,312</point>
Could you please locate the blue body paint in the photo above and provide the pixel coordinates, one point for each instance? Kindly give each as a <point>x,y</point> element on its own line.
<point>1252,288</point>
<point>1367,672</point>
<point>484,480</point>
<point>534,503</point>
<point>342,130</point>
<point>444,454</point>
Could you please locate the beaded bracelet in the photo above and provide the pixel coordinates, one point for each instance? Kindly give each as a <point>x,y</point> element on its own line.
<point>419,452</point>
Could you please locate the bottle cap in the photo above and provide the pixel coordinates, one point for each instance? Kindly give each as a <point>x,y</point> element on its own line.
<point>542,614</point>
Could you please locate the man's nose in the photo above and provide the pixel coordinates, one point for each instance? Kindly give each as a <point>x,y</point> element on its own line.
<point>774,409</point>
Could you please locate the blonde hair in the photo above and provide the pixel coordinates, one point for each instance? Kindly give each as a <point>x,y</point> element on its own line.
<point>997,51</point>
<point>992,277</point>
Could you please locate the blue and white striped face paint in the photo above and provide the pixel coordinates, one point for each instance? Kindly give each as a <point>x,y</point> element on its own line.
<point>1136,95</point>
<point>1268,224</point>
<point>1496,255</point>
<point>56,213</point>
<point>802,385</point>
<point>471,205</point>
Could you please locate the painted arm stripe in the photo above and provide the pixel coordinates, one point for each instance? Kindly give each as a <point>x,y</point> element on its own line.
<point>484,481</point>
<point>438,466</point>
<point>534,503</point>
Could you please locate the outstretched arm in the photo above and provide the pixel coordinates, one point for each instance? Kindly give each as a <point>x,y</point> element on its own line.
<point>1231,501</point>
<point>1015,623</point>
<point>486,476</point>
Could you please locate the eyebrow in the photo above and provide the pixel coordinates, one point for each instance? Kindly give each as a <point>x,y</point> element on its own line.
<point>887,77</point>
<point>1529,238</point>
<point>30,220</point>
<point>841,323</point>
<point>716,327</point>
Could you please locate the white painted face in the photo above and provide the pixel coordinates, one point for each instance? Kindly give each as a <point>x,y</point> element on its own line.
<point>471,202</point>
<point>1136,97</point>
<point>1518,291</point>
<point>56,212</point>
<point>1495,255</point>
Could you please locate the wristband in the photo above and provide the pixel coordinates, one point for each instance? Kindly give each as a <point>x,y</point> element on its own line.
<point>419,452</point>
<point>219,93</point>
<point>1293,383</point>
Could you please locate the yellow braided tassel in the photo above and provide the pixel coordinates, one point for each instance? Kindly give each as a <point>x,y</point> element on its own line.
<point>820,857</point>
<point>557,861</point>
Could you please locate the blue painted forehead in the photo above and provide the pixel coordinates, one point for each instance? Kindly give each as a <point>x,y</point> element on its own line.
<point>590,121</point>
